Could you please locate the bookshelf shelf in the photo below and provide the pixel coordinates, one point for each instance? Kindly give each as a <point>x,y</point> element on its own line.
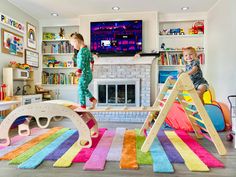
<point>59,84</point>
<point>59,67</point>
<point>55,40</point>
<point>183,36</point>
<point>171,65</point>
<point>178,50</point>
<point>58,54</point>
<point>170,46</point>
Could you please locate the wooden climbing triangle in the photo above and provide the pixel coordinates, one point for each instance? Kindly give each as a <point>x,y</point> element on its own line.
<point>172,91</point>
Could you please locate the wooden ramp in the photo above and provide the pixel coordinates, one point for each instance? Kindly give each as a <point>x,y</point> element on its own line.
<point>172,91</point>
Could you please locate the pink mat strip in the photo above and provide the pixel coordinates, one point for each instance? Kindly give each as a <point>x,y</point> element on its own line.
<point>200,151</point>
<point>85,153</point>
<point>17,138</point>
<point>98,158</point>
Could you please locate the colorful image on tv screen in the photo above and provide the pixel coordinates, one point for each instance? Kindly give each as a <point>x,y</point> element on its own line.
<point>116,37</point>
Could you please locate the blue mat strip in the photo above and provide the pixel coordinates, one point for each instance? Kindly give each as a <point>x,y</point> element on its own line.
<point>161,162</point>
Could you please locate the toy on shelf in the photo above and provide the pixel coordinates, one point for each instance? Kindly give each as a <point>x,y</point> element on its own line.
<point>62,33</point>
<point>163,32</point>
<point>176,31</point>
<point>2,92</point>
<point>163,46</point>
<point>14,64</point>
<point>197,28</point>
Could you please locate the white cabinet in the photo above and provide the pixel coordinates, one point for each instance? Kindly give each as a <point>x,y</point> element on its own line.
<point>64,92</point>
<point>28,99</point>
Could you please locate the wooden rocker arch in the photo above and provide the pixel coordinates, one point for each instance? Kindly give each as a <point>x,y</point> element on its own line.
<point>47,110</point>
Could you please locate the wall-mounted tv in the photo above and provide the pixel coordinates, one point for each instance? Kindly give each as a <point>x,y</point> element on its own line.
<point>116,37</point>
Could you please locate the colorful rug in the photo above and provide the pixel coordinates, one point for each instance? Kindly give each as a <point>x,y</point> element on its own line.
<point>60,145</point>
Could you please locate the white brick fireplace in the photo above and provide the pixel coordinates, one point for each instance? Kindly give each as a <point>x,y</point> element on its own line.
<point>117,92</point>
<point>124,81</point>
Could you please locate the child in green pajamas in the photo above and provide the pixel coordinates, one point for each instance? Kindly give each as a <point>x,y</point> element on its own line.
<point>84,72</point>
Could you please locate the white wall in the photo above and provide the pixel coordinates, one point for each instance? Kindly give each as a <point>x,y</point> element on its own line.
<point>221,57</point>
<point>15,13</point>
<point>150,26</point>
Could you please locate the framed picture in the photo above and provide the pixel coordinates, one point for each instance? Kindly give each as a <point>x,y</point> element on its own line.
<point>12,43</point>
<point>31,36</point>
<point>32,58</point>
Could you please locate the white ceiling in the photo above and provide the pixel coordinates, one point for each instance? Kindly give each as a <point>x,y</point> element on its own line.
<point>41,9</point>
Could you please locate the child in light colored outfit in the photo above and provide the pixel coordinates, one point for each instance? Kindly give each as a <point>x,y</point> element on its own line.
<point>194,71</point>
<point>84,71</point>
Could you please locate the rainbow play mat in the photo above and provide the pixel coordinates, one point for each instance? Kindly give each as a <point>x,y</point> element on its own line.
<point>59,144</point>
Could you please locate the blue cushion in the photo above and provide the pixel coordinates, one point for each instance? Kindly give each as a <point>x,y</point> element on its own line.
<point>215,115</point>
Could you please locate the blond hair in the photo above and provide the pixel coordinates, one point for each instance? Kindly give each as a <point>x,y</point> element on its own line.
<point>190,49</point>
<point>77,36</point>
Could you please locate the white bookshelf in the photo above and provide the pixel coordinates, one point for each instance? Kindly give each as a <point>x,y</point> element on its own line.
<point>175,42</point>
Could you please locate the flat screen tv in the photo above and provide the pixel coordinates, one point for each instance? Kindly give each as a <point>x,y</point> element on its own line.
<point>116,37</point>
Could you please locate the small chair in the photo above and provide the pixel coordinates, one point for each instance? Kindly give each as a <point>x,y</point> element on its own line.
<point>45,93</point>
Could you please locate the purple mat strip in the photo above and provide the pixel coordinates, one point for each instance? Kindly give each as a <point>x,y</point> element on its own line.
<point>55,155</point>
<point>172,154</point>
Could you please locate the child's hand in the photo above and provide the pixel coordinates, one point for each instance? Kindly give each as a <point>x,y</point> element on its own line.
<point>180,71</point>
<point>136,56</point>
<point>95,56</point>
<point>78,74</point>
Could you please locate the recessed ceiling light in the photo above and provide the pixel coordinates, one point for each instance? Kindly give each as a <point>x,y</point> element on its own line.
<point>116,8</point>
<point>185,8</point>
<point>54,14</point>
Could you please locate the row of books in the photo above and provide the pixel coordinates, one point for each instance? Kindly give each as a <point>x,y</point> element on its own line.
<point>59,78</point>
<point>61,47</point>
<point>171,59</point>
<point>176,59</point>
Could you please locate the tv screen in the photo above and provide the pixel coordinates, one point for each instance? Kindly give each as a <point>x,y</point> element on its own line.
<point>116,37</point>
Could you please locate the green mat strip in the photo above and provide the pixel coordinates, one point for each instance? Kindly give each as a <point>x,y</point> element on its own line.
<point>27,154</point>
<point>142,158</point>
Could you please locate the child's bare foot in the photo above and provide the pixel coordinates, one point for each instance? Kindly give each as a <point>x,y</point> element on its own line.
<point>94,102</point>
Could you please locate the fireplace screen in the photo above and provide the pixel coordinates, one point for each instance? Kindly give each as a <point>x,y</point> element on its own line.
<point>118,94</point>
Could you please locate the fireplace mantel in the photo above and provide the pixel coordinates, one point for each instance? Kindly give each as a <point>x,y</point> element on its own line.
<point>124,61</point>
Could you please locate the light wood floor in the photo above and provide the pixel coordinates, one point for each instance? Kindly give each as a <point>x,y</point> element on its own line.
<point>112,168</point>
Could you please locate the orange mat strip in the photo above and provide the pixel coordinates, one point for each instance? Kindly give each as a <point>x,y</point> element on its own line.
<point>128,157</point>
